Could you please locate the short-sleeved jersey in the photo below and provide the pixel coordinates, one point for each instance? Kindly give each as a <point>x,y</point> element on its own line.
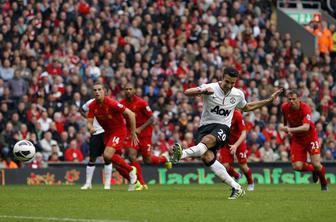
<point>109,114</point>
<point>237,126</point>
<point>142,113</point>
<point>219,108</point>
<point>295,118</point>
<point>99,129</point>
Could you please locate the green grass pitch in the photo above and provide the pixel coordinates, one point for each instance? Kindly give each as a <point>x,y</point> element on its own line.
<point>167,203</point>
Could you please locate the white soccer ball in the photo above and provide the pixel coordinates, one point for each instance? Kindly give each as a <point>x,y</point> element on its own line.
<point>24,150</point>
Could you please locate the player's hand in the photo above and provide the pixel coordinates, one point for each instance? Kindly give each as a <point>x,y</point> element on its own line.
<point>92,131</point>
<point>284,128</point>
<point>276,94</point>
<point>138,130</point>
<point>233,148</point>
<point>135,140</point>
<point>207,91</point>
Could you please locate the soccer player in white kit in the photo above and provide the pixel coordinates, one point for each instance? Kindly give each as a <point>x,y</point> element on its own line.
<point>97,147</point>
<point>219,101</point>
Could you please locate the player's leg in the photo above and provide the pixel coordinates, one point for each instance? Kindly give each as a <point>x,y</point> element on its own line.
<point>114,142</point>
<point>299,157</point>
<point>90,168</point>
<point>100,147</point>
<point>241,154</point>
<point>320,171</point>
<point>133,157</point>
<point>248,174</point>
<point>210,134</point>
<point>124,173</point>
<point>145,147</point>
<point>209,159</point>
<point>179,153</point>
<point>107,175</point>
<point>226,158</point>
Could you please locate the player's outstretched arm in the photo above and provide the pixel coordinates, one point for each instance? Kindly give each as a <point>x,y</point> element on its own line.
<point>257,104</point>
<point>131,117</point>
<point>89,125</point>
<point>149,122</point>
<point>233,147</point>
<point>197,91</point>
<point>303,128</point>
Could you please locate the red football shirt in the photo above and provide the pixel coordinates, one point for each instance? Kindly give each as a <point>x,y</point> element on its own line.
<point>142,113</point>
<point>237,126</point>
<point>295,118</point>
<point>109,114</point>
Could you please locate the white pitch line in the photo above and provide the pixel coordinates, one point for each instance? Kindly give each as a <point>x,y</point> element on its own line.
<point>58,219</point>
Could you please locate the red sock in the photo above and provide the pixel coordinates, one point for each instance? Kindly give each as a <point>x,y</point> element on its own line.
<point>124,173</point>
<point>307,167</point>
<point>155,160</point>
<point>233,172</point>
<point>321,175</point>
<point>116,159</point>
<point>248,175</point>
<point>139,172</point>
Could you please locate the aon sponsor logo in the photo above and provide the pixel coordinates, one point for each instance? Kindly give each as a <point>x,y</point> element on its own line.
<point>220,111</point>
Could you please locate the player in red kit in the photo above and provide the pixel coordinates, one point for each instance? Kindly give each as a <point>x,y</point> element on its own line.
<point>304,139</point>
<point>110,115</point>
<point>144,128</point>
<point>237,146</point>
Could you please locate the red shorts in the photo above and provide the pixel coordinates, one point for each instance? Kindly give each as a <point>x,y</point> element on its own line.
<point>144,146</point>
<point>227,157</point>
<point>300,147</point>
<point>115,139</point>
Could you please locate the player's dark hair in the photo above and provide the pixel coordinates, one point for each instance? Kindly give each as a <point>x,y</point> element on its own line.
<point>293,92</point>
<point>231,72</point>
<point>100,83</point>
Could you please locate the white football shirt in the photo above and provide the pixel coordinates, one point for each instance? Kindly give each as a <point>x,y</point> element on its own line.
<point>99,129</point>
<point>219,108</point>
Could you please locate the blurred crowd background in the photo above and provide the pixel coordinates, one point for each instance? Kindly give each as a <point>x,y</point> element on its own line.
<point>51,52</point>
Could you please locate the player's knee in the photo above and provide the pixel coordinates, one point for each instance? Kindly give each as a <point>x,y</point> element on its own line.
<point>317,165</point>
<point>92,160</point>
<point>107,155</point>
<point>226,165</point>
<point>297,166</point>
<point>209,141</point>
<point>244,167</point>
<point>91,163</point>
<point>208,158</point>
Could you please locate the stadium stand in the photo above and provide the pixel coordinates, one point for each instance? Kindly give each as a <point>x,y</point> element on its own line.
<point>51,52</point>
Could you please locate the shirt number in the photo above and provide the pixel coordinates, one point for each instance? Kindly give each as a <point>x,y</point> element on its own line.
<point>116,140</point>
<point>314,145</point>
<point>221,135</point>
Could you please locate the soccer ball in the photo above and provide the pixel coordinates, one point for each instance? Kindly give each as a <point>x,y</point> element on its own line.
<point>24,150</point>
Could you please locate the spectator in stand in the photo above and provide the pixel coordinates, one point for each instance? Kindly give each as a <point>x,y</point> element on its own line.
<point>38,162</point>
<point>6,71</point>
<point>330,150</point>
<point>324,38</point>
<point>253,154</point>
<point>73,153</point>
<point>60,48</point>
<point>17,86</point>
<point>266,153</point>
<point>333,33</point>
<point>46,143</point>
<point>8,163</point>
<point>44,121</point>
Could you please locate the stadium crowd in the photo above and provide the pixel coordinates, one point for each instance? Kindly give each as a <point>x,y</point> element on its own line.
<point>51,52</point>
